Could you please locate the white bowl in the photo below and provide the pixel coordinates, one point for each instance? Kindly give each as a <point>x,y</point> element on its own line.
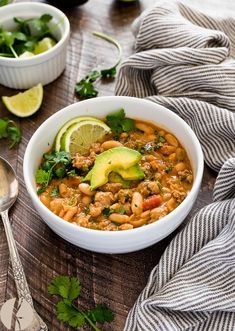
<point>116,241</point>
<point>23,73</point>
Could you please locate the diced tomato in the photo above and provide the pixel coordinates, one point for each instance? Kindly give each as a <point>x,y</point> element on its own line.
<point>152,202</point>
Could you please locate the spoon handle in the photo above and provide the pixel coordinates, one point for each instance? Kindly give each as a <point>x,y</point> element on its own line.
<point>18,271</point>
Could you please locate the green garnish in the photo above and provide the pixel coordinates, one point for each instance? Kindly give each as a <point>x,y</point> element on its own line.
<point>26,36</point>
<point>168,169</point>
<point>86,209</point>
<point>122,211</point>
<point>108,211</point>
<point>68,290</point>
<point>159,186</point>
<point>56,164</point>
<point>85,87</point>
<point>3,2</point>
<point>9,129</point>
<point>54,192</point>
<point>72,173</point>
<point>119,123</point>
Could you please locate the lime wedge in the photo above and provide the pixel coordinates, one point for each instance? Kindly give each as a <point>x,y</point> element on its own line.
<point>26,55</point>
<point>79,137</point>
<point>25,103</point>
<point>64,128</point>
<point>44,45</point>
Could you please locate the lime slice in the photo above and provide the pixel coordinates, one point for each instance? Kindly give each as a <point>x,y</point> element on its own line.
<point>44,45</point>
<point>26,103</point>
<point>26,55</point>
<point>79,137</point>
<point>64,128</point>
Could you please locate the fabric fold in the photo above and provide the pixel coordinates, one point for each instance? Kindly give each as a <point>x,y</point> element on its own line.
<point>184,62</point>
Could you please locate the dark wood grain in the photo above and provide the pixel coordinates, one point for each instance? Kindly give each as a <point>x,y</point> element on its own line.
<point>114,279</point>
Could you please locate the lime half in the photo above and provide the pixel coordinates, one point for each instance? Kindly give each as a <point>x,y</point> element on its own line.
<point>44,45</point>
<point>79,137</point>
<point>26,103</point>
<point>64,128</point>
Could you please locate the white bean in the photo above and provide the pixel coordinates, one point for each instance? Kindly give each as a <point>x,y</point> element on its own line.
<point>144,127</point>
<point>85,189</point>
<point>111,144</point>
<point>137,203</point>
<point>115,217</point>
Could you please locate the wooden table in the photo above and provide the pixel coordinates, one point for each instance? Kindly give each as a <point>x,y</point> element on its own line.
<point>114,279</point>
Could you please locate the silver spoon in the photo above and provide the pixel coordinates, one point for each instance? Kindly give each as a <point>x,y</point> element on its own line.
<point>8,195</point>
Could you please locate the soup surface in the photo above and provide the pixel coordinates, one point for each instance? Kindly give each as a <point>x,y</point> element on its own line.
<point>165,178</point>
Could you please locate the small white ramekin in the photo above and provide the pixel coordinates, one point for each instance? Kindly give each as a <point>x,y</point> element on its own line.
<point>23,73</point>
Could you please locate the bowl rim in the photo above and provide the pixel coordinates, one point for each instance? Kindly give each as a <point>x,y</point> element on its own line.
<point>64,37</point>
<point>114,234</point>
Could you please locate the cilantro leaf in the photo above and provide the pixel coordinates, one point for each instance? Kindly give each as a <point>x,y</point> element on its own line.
<point>42,176</point>
<point>67,288</point>
<point>3,127</point>
<point>85,89</point>
<point>119,123</point>
<point>54,192</point>
<point>109,73</point>
<point>69,314</point>
<point>101,314</point>
<point>122,211</point>
<point>107,211</point>
<point>13,133</point>
<point>8,129</point>
<point>3,2</point>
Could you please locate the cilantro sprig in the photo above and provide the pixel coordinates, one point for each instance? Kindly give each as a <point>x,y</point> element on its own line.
<point>9,129</point>
<point>118,122</point>
<point>85,88</point>
<point>3,2</point>
<point>26,35</point>
<point>68,290</point>
<point>56,164</point>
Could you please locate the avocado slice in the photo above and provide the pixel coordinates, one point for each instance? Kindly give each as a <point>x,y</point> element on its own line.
<point>110,160</point>
<point>132,173</point>
<point>116,178</point>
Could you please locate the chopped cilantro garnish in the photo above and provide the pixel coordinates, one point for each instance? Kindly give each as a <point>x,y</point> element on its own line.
<point>119,123</point>
<point>108,211</point>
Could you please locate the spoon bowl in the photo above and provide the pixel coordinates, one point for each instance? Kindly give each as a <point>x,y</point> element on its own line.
<point>9,185</point>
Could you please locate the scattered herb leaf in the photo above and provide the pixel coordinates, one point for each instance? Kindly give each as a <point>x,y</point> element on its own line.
<point>85,87</point>
<point>3,2</point>
<point>68,289</point>
<point>9,129</point>
<point>119,123</point>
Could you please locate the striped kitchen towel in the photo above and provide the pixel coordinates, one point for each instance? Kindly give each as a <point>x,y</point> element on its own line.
<point>184,61</point>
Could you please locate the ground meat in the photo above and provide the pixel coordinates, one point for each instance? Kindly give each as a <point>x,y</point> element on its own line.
<point>179,195</point>
<point>111,187</point>
<point>104,198</point>
<point>96,148</point>
<point>84,162</point>
<point>186,175</point>
<point>124,195</point>
<point>147,188</point>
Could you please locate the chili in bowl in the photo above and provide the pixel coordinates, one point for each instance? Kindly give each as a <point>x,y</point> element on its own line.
<point>114,178</point>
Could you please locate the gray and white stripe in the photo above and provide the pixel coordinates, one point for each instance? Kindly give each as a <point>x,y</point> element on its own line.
<point>184,61</point>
